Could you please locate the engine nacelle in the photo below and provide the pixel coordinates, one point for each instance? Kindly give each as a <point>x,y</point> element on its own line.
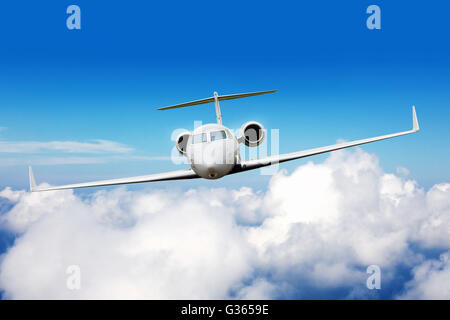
<point>181,142</point>
<point>252,133</point>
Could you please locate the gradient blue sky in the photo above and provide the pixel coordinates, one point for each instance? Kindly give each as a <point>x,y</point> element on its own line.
<point>336,79</point>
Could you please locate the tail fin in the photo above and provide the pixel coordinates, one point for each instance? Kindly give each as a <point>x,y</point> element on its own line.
<point>216,98</point>
<point>32,181</point>
<point>220,98</point>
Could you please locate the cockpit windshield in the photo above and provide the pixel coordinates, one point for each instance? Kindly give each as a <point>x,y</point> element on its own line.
<point>218,135</point>
<point>199,138</point>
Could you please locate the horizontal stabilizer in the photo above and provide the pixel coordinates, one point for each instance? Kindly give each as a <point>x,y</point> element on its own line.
<point>220,98</point>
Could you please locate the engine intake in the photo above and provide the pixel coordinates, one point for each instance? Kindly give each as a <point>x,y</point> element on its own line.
<point>181,142</point>
<point>252,133</point>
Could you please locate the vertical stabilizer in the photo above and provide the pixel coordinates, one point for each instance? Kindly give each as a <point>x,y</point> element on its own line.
<point>218,113</point>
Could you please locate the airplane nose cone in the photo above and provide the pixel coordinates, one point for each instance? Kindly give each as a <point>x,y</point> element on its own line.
<point>212,173</point>
<point>210,161</point>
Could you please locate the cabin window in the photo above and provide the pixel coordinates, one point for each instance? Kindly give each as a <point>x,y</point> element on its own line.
<point>218,135</point>
<point>199,138</point>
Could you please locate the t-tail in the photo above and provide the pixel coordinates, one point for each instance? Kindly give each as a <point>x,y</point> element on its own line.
<point>216,98</point>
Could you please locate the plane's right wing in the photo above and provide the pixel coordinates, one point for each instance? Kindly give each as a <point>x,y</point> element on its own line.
<point>258,163</point>
<point>172,175</point>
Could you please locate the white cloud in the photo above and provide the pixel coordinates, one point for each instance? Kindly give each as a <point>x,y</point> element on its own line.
<point>314,230</point>
<point>97,146</point>
<point>402,171</point>
<point>61,153</point>
<point>431,280</point>
<point>259,289</point>
<point>52,161</point>
<point>128,245</point>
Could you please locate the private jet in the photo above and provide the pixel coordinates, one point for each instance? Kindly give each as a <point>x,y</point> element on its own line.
<point>213,151</point>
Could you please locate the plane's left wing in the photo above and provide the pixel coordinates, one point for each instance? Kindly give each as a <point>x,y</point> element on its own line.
<point>258,163</point>
<point>172,175</point>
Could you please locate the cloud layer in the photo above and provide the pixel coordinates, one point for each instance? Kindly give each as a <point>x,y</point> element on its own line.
<point>97,146</point>
<point>311,234</point>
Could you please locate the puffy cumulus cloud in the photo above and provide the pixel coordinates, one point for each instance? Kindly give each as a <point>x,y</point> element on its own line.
<point>127,245</point>
<point>311,234</point>
<point>431,280</point>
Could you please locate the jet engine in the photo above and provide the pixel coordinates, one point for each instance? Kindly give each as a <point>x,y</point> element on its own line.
<point>252,133</point>
<point>181,142</point>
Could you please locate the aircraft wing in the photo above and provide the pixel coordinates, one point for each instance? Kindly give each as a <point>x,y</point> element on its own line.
<point>172,175</point>
<point>258,163</point>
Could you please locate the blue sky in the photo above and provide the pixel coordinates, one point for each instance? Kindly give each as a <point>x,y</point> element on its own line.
<point>335,79</point>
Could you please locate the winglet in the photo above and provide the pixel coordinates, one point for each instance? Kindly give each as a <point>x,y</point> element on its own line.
<point>415,122</point>
<point>32,181</point>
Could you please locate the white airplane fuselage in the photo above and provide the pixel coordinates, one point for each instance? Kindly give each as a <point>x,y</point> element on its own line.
<point>212,151</point>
